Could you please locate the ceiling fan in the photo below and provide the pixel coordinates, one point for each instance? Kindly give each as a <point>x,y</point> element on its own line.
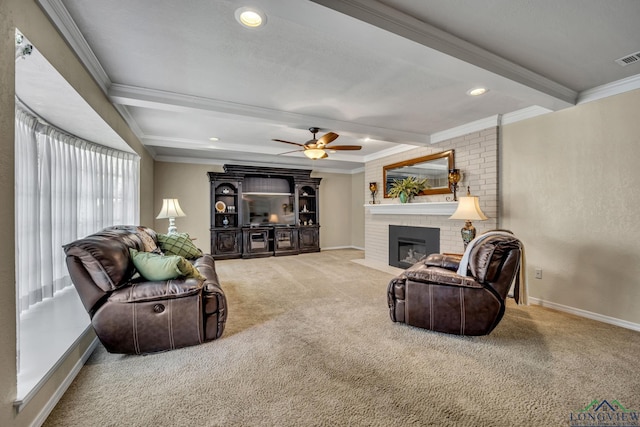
<point>315,148</point>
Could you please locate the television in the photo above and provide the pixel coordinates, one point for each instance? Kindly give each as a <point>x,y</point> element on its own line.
<point>267,209</point>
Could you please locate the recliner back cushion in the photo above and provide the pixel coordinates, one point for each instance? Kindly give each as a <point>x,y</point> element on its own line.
<point>487,258</point>
<point>147,236</point>
<point>105,256</point>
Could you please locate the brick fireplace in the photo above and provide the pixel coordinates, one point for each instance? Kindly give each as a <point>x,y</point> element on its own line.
<point>476,155</point>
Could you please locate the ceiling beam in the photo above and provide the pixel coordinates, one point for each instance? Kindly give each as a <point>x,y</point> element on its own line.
<point>170,101</point>
<point>387,18</point>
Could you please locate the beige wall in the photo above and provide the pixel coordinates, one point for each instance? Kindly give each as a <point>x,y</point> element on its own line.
<point>337,203</point>
<point>190,184</point>
<point>29,18</point>
<point>571,191</point>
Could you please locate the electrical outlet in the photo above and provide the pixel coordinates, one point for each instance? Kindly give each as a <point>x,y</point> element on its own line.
<point>538,273</point>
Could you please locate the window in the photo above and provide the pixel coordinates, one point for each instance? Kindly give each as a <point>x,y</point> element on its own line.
<point>66,188</point>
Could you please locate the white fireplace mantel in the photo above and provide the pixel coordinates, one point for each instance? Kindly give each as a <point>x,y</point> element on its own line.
<point>429,208</point>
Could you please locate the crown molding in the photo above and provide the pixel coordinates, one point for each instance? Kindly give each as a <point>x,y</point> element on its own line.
<point>61,18</point>
<point>610,89</point>
<point>465,129</point>
<point>219,162</point>
<point>524,114</point>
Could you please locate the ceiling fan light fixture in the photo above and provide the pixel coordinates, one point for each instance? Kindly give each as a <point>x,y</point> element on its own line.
<point>250,17</point>
<point>314,153</point>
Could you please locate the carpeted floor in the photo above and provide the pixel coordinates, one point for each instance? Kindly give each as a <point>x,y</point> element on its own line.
<point>308,342</point>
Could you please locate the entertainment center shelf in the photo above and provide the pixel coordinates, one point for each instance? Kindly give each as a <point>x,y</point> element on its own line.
<point>259,212</point>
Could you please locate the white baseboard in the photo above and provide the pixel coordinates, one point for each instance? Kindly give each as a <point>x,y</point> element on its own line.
<point>588,314</point>
<point>333,248</point>
<point>55,398</point>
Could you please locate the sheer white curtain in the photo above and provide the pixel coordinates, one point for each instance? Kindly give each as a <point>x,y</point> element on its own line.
<point>66,188</point>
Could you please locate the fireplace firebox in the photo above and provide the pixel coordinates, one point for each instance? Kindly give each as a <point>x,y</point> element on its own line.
<point>408,244</point>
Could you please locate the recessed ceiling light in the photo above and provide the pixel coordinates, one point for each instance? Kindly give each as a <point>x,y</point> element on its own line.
<point>250,17</point>
<point>214,139</point>
<point>477,91</point>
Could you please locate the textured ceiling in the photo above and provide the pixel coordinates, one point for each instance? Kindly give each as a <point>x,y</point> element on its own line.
<point>395,71</point>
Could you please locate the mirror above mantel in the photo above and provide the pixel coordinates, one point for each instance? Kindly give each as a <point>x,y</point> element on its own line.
<point>435,167</point>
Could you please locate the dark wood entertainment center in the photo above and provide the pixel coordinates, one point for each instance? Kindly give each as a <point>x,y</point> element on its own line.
<point>259,212</point>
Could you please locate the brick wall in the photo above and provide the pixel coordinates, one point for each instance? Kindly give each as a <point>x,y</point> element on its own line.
<point>476,155</point>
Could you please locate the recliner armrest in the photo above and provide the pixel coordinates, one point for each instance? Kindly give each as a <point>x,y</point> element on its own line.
<point>152,291</point>
<point>449,262</point>
<point>440,276</point>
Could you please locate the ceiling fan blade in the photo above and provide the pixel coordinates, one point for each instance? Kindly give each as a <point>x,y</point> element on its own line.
<point>343,147</point>
<point>288,142</point>
<point>327,138</point>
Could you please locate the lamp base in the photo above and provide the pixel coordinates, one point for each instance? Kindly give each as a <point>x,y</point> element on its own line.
<point>172,226</point>
<point>468,233</point>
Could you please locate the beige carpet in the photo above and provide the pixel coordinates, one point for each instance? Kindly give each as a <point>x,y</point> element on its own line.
<point>309,343</point>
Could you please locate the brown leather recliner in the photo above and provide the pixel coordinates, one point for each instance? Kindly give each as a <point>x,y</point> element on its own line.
<point>432,295</point>
<point>131,315</point>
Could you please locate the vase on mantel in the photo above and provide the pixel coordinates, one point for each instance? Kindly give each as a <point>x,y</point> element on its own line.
<point>403,197</point>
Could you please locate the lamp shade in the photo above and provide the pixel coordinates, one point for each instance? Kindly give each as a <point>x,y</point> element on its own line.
<point>170,209</point>
<point>468,209</point>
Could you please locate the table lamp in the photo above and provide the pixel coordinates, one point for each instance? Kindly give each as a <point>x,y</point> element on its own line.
<point>468,209</point>
<point>171,209</point>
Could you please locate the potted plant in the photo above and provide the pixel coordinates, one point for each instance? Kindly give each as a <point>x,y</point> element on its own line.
<point>407,188</point>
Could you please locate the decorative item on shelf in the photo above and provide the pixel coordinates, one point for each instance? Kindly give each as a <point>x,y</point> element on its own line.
<point>454,178</point>
<point>220,206</point>
<point>171,209</point>
<point>225,221</point>
<point>407,188</point>
<point>304,193</point>
<point>468,209</point>
<point>304,209</point>
<point>310,222</point>
<point>231,209</point>
<point>225,190</point>
<point>373,187</point>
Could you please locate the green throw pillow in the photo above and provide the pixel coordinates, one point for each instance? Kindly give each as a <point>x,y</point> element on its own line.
<point>189,270</point>
<point>178,244</point>
<point>154,267</point>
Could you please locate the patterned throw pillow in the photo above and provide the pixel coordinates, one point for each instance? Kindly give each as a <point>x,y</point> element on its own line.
<point>147,241</point>
<point>178,244</point>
